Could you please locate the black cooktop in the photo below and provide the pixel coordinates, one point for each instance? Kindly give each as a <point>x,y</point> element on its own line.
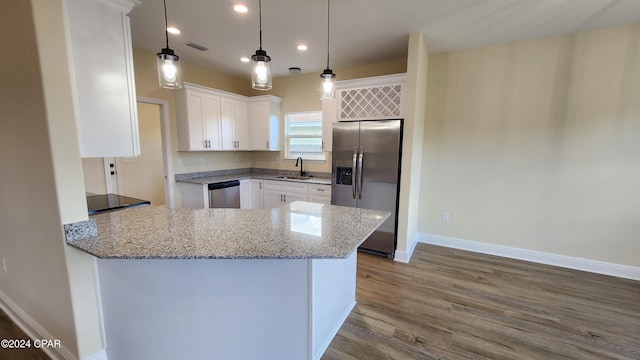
<point>110,202</point>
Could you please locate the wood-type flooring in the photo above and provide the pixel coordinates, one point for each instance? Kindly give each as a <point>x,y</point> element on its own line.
<point>453,304</point>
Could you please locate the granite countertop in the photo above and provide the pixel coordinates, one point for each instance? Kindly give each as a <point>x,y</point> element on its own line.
<point>299,230</point>
<point>249,175</point>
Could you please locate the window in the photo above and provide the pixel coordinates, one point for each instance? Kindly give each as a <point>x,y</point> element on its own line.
<point>303,135</point>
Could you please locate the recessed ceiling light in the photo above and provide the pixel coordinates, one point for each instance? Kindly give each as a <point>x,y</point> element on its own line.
<point>245,59</point>
<point>240,8</point>
<point>173,30</point>
<point>302,47</point>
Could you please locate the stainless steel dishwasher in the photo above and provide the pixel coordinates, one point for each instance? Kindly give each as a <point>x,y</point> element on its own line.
<point>224,194</point>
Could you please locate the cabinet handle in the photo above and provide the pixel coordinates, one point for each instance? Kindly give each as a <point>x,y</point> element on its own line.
<point>321,190</point>
<point>281,198</point>
<point>285,197</point>
<point>267,144</point>
<point>260,185</point>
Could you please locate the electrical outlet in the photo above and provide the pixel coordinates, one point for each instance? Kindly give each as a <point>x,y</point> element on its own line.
<point>179,163</point>
<point>201,161</point>
<point>445,216</point>
<point>4,264</point>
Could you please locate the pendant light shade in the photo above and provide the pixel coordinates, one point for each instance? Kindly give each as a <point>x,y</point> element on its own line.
<point>261,71</point>
<point>327,75</point>
<point>168,62</point>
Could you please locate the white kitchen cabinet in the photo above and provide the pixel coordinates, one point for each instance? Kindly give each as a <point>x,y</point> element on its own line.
<point>277,193</point>
<point>194,196</point>
<point>319,193</point>
<point>103,82</point>
<point>329,116</point>
<point>198,119</point>
<point>257,196</point>
<point>265,122</point>
<point>235,123</point>
<point>246,194</point>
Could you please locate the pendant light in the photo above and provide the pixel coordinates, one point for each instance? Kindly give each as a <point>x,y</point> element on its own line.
<point>327,75</point>
<point>168,62</point>
<point>261,72</point>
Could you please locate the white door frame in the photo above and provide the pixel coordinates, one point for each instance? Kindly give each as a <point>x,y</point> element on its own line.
<point>167,161</point>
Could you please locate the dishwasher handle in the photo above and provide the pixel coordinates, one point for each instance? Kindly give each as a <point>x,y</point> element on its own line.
<point>224,184</point>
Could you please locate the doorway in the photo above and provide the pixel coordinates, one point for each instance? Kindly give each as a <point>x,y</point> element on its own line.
<point>148,175</point>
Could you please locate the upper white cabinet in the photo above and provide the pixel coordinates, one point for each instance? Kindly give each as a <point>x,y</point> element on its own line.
<point>265,122</point>
<point>198,119</point>
<point>102,77</point>
<point>235,123</point>
<point>210,119</point>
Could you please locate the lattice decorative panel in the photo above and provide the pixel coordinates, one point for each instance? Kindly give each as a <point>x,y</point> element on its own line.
<point>377,102</point>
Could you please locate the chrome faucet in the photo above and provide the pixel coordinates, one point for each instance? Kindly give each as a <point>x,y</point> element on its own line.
<point>301,171</point>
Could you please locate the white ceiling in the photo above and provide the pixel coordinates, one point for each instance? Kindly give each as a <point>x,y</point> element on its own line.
<point>362,31</point>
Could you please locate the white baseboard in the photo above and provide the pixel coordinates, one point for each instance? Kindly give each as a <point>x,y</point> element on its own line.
<point>100,355</point>
<point>598,267</point>
<point>405,256</point>
<point>33,329</point>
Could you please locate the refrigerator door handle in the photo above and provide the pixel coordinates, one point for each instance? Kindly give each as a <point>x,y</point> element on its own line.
<point>354,171</point>
<point>360,171</point>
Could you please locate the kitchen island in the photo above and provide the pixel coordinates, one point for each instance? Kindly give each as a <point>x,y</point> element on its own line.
<point>226,283</point>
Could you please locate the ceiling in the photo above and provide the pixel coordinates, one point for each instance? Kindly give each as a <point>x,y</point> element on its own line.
<point>361,31</point>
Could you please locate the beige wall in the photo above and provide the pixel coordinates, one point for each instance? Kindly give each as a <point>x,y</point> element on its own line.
<point>142,176</point>
<point>536,145</point>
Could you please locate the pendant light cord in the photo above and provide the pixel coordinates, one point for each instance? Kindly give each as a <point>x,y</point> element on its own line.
<point>166,24</point>
<point>260,9</point>
<point>328,6</point>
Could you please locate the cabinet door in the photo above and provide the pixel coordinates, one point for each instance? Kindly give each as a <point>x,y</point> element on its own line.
<point>272,199</point>
<point>260,125</point>
<point>212,122</point>
<point>195,121</point>
<point>291,197</point>
<point>203,121</point>
<point>246,196</point>
<point>241,128</point>
<point>320,199</point>
<point>257,196</point>
<point>227,116</point>
<point>102,78</point>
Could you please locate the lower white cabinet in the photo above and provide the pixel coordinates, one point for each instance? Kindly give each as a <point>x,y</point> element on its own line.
<point>257,196</point>
<point>319,193</point>
<point>246,199</point>
<point>277,193</point>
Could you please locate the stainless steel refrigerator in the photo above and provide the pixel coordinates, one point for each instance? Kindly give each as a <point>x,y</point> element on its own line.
<point>366,174</point>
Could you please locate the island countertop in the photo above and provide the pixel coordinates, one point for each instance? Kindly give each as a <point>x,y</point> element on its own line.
<point>299,230</point>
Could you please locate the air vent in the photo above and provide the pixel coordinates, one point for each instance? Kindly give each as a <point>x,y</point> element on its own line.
<point>198,46</point>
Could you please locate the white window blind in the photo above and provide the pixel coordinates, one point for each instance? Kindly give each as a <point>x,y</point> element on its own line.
<point>303,132</point>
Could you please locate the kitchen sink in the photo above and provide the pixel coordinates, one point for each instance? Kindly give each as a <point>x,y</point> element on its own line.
<point>294,177</point>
